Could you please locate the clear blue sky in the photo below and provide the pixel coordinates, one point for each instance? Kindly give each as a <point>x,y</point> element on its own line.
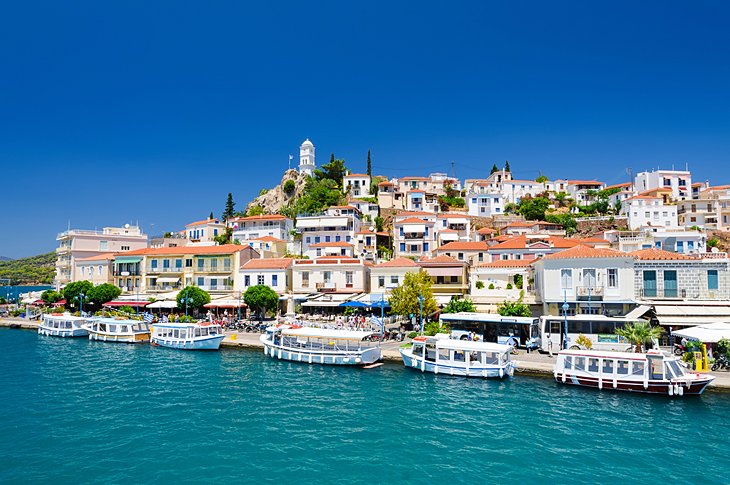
<point>153,111</point>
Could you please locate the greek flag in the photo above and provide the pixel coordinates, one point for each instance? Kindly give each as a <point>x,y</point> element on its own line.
<point>148,317</point>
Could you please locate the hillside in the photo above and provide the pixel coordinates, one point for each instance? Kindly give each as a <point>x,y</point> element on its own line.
<point>271,201</point>
<point>34,269</point>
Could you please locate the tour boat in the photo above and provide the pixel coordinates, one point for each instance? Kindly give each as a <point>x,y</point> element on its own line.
<point>63,325</point>
<point>113,330</point>
<point>654,372</point>
<point>320,345</point>
<point>442,355</point>
<point>188,336</point>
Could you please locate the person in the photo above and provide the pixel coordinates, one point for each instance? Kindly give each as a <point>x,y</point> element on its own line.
<point>209,316</point>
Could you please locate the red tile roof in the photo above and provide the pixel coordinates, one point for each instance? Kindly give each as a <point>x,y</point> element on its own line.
<point>653,254</point>
<point>357,175</point>
<point>202,223</point>
<point>413,220</point>
<point>99,257</point>
<point>618,186</point>
<point>269,239</point>
<point>194,250</point>
<point>441,259</point>
<point>584,182</point>
<point>582,252</point>
<point>413,213</point>
<point>261,217</point>
<point>399,262</point>
<point>464,246</point>
<point>268,263</point>
<point>522,242</point>
<point>486,230</point>
<point>508,263</point>
<point>414,178</point>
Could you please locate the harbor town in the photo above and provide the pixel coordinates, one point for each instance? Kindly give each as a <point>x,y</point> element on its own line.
<point>475,270</point>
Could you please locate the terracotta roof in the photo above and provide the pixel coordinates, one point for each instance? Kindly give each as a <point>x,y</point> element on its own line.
<point>464,246</point>
<point>618,186</point>
<point>357,175</point>
<point>202,223</point>
<point>653,254</point>
<point>269,239</point>
<point>414,178</point>
<point>522,242</point>
<point>416,191</point>
<point>486,230</point>
<point>336,260</point>
<point>268,263</point>
<point>99,257</point>
<point>582,252</point>
<point>518,181</point>
<point>343,207</point>
<point>441,259</point>
<point>413,220</point>
<point>508,263</point>
<point>333,244</point>
<point>503,238</point>
<point>260,217</point>
<point>413,213</point>
<point>452,216</point>
<point>399,262</point>
<point>584,182</point>
<point>382,184</point>
<point>697,184</point>
<point>643,197</point>
<point>448,231</point>
<point>222,249</point>
<point>365,231</point>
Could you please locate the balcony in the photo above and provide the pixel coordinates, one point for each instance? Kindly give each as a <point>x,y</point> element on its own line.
<point>126,273</point>
<point>216,287</point>
<point>325,287</point>
<point>408,236</point>
<point>174,287</point>
<point>212,269</point>
<point>165,270</point>
<point>592,292</point>
<point>682,294</point>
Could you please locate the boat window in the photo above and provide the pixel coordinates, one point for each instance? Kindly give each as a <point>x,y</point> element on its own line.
<point>459,356</point>
<point>492,358</point>
<point>475,357</point>
<point>430,353</point>
<point>637,368</point>
<point>580,363</point>
<point>176,333</point>
<point>198,332</point>
<point>656,369</point>
<point>102,327</point>
<point>669,371</point>
<point>443,354</point>
<point>622,367</point>
<point>568,362</point>
<point>112,328</point>
<point>608,366</point>
<point>592,365</point>
<point>418,349</point>
<point>676,368</point>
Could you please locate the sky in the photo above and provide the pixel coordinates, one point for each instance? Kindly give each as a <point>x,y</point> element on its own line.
<point>150,112</point>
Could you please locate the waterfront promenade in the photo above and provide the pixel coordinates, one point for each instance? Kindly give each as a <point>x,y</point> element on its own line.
<point>533,363</point>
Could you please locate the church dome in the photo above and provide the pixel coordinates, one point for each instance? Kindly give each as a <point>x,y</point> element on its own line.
<point>307,143</point>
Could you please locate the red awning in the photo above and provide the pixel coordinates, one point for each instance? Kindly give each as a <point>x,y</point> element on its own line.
<point>126,303</point>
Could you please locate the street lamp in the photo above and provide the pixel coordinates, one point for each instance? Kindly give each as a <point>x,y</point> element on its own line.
<point>565,317</point>
<point>186,303</point>
<point>420,313</point>
<point>81,303</point>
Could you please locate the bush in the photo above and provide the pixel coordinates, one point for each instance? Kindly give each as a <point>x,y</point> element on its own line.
<point>412,335</point>
<point>723,347</point>
<point>491,286</point>
<point>479,285</point>
<point>289,187</point>
<point>509,286</point>
<point>584,341</point>
<point>432,328</point>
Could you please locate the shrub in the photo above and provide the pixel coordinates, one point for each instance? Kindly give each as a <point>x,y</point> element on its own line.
<point>479,285</point>
<point>412,335</point>
<point>584,341</point>
<point>289,187</point>
<point>509,286</point>
<point>491,286</point>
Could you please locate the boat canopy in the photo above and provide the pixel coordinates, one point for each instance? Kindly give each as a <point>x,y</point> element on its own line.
<point>184,325</point>
<point>312,332</point>
<point>598,354</point>
<point>454,344</point>
<point>709,333</point>
<point>65,317</point>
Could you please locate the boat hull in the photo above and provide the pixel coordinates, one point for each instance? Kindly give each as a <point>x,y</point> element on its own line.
<point>496,372</point>
<point>689,387</point>
<point>138,338</point>
<point>363,357</point>
<point>208,343</point>
<point>65,333</point>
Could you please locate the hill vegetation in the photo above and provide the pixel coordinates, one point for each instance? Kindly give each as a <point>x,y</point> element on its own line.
<point>32,270</point>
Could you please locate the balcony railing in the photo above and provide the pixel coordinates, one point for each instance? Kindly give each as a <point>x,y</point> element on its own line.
<point>682,294</point>
<point>176,286</point>
<point>325,287</point>
<point>414,235</point>
<point>126,273</point>
<point>164,270</point>
<point>216,287</point>
<point>589,291</point>
<point>212,269</point>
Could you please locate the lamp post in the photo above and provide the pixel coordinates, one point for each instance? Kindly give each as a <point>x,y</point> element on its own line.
<point>81,304</point>
<point>420,313</point>
<point>240,303</point>
<point>565,318</point>
<point>186,303</point>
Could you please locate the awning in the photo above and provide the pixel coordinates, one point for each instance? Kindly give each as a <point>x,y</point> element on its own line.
<point>168,280</point>
<point>637,312</point>
<point>327,300</point>
<point>445,271</point>
<point>126,303</point>
<point>690,315</point>
<point>127,259</point>
<point>444,299</point>
<point>407,227</point>
<point>710,333</point>
<point>163,304</point>
<point>225,303</point>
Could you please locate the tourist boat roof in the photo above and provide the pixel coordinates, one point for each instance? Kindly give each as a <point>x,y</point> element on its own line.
<point>119,321</point>
<point>610,354</point>
<point>454,344</point>
<point>325,333</point>
<point>65,316</point>
<point>184,324</point>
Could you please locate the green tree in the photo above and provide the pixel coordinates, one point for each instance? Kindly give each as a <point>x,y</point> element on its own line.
<point>713,242</point>
<point>541,179</point>
<point>514,308</point>
<point>196,298</point>
<point>51,296</point>
<point>404,299</point>
<point>289,187</point>
<point>335,171</point>
<point>639,334</point>
<point>566,220</point>
<point>533,209</point>
<point>224,237</point>
<point>211,215</point>
<point>72,291</point>
<point>506,166</point>
<point>494,169</point>
<point>379,223</point>
<point>261,298</point>
<point>370,166</point>
<point>459,305</point>
<point>102,293</point>
<point>229,211</point>
<point>255,210</point>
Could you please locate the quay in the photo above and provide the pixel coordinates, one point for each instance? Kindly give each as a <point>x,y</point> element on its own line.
<point>533,363</point>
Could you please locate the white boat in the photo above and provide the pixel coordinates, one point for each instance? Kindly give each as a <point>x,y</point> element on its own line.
<point>63,325</point>
<point>188,336</point>
<point>320,345</point>
<point>114,330</point>
<point>654,372</point>
<point>442,355</point>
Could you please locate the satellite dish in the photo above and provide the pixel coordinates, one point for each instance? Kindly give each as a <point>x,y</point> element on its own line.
<point>126,226</point>
<point>372,229</point>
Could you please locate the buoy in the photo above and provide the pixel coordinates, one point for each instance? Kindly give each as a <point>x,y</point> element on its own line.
<point>614,383</point>
<point>681,390</point>
<point>564,377</point>
<point>501,372</point>
<point>671,390</point>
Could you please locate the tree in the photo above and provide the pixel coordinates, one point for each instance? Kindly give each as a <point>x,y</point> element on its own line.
<point>289,187</point>
<point>533,209</point>
<point>494,169</point>
<point>261,298</point>
<point>566,220</point>
<point>514,308</point>
<point>506,166</point>
<point>255,210</point>
<point>457,305</point>
<point>229,211</point>
<point>335,171</point>
<point>639,334</point>
<point>103,293</point>
<point>370,166</point>
<point>332,157</point>
<point>541,179</point>
<point>404,299</point>
<point>72,291</point>
<point>224,237</point>
<point>379,223</point>
<point>51,296</point>
<point>195,296</point>
<point>210,217</point>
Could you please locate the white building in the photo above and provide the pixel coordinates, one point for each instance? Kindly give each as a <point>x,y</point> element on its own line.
<point>579,190</point>
<point>255,227</point>
<point>306,158</point>
<point>414,233</point>
<point>675,240</point>
<point>272,272</point>
<point>514,190</point>
<point>386,276</point>
<point>338,224</point>
<point>484,204</point>
<point>680,181</point>
<point>357,184</point>
<point>330,274</point>
<point>645,211</point>
<point>204,231</point>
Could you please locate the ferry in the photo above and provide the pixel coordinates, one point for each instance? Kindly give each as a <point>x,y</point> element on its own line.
<point>63,325</point>
<point>320,345</point>
<point>442,355</point>
<point>114,330</point>
<point>188,336</point>
<point>654,372</point>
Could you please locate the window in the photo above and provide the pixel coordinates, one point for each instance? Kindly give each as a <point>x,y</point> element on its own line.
<point>637,368</point>
<point>394,280</point>
<point>712,283</point>
<point>381,281</point>
<point>348,277</point>
<point>201,264</point>
<point>592,365</point>
<point>305,278</point>
<point>566,278</point>
<point>247,280</point>
<point>189,263</point>
<point>213,264</point>
<point>178,263</point>
<point>607,366</point>
<point>327,276</point>
<point>260,279</point>
<point>425,246</point>
<point>403,247</point>
<point>103,245</point>
<point>153,264</point>
<point>274,280</point>
<point>622,367</point>
<point>649,283</point>
<point>670,284</point>
<point>568,362</point>
<point>165,263</point>
<point>612,277</point>
<point>201,281</point>
<point>125,248</point>
<point>580,363</point>
<point>461,256</point>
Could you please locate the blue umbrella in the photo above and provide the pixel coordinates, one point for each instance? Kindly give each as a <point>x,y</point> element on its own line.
<point>355,304</point>
<point>379,304</point>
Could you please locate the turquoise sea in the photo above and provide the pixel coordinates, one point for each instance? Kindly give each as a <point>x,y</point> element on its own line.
<point>76,411</point>
<point>11,292</point>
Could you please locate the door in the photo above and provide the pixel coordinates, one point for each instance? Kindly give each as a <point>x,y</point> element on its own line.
<point>670,284</point>
<point>650,283</point>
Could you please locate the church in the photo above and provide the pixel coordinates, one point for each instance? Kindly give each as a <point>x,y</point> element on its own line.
<point>306,158</point>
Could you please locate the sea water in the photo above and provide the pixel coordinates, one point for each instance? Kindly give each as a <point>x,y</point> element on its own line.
<point>94,412</point>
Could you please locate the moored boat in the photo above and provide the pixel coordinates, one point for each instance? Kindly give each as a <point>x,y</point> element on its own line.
<point>188,336</point>
<point>442,355</point>
<point>654,372</point>
<point>320,345</point>
<point>63,325</point>
<point>114,330</point>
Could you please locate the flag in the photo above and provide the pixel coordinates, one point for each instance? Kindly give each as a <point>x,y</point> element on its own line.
<point>291,157</point>
<point>148,317</point>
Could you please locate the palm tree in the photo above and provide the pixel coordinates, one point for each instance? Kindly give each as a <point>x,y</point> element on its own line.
<point>639,334</point>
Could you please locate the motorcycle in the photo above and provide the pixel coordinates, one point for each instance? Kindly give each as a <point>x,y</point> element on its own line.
<point>721,362</point>
<point>679,349</point>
